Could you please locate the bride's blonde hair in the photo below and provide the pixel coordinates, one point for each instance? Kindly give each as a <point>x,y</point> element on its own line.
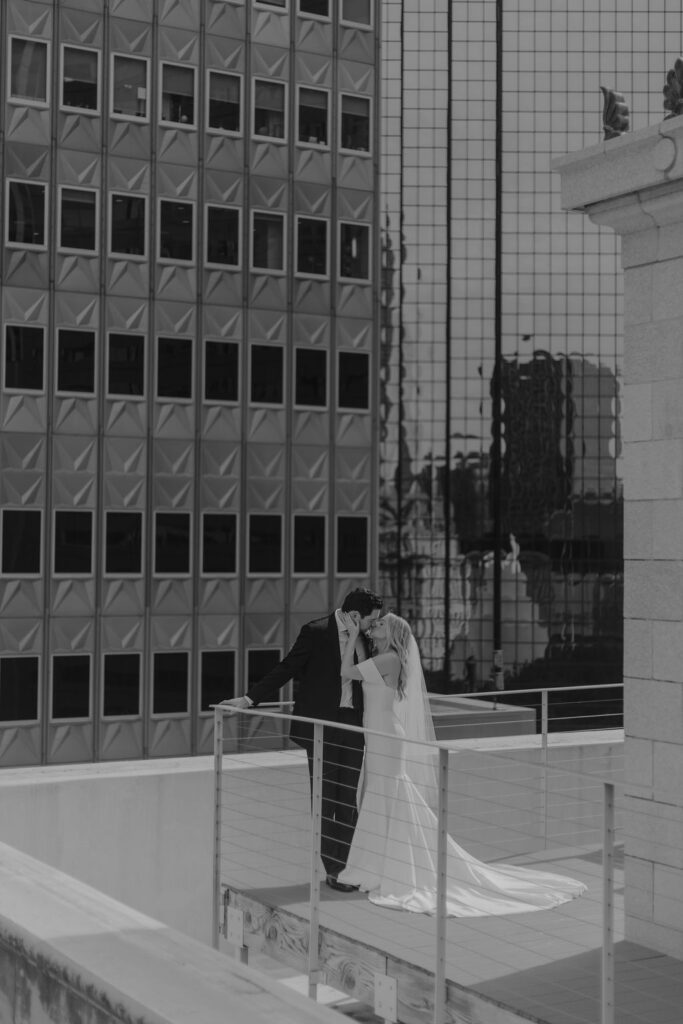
<point>399,635</point>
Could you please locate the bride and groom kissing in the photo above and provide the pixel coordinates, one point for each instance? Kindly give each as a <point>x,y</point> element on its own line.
<point>360,667</point>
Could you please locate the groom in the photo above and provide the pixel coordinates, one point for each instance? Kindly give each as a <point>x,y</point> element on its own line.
<point>314,663</point>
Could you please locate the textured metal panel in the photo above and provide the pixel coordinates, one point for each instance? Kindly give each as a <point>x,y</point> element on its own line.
<point>20,745</point>
<point>21,597</point>
<point>121,740</point>
<point>205,734</point>
<point>82,24</point>
<point>268,292</point>
<point>172,420</point>
<point>315,200</point>
<point>310,463</point>
<point>127,315</point>
<point>223,153</point>
<point>312,165</point>
<point>129,140</point>
<point>176,283</point>
<point>77,131</point>
<point>267,325</point>
<point>312,296</point>
<point>224,187</point>
<point>178,44</point>
<point>355,300</point>
<point>25,485</point>
<point>120,491</point>
<point>265,496</point>
<point>354,334</point>
<point>264,630</point>
<point>219,597</point>
<point>269,159</point>
<point>316,69</point>
<point>171,596</point>
<point>77,273</point>
<point>315,36</point>
<point>23,305</point>
<point>29,20</point>
<point>310,496</point>
<point>177,146</point>
<point>179,14</point>
<point>264,595</point>
<point>221,424</point>
<point>27,124</point>
<point>129,37</point>
<point>353,429</point>
<point>175,181</point>
<point>225,52</point>
<point>122,633</point>
<point>125,278</point>
<point>170,737</point>
<point>355,205</point>
<point>356,44</point>
<point>136,10</point>
<point>28,161</point>
<point>72,634</point>
<point>225,20</point>
<point>21,636</point>
<point>23,413</point>
<point>78,169</point>
<point>358,79</point>
<point>75,415</point>
<point>356,172</point>
<point>67,744</point>
<point>124,456</point>
<point>218,631</point>
<point>225,284</point>
<point>267,194</point>
<point>265,462</point>
<point>171,632</point>
<point>125,418</point>
<point>310,597</point>
<point>310,428</point>
<point>123,597</point>
<point>128,174</point>
<point>223,322</point>
<point>267,426</point>
<point>314,330</point>
<point>26,270</point>
<point>353,498</point>
<point>268,29</point>
<point>75,455</point>
<point>72,597</point>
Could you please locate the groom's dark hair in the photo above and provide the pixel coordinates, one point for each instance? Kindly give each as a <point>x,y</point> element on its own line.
<point>362,600</point>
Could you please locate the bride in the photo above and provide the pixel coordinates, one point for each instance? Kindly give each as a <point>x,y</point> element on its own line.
<point>394,848</point>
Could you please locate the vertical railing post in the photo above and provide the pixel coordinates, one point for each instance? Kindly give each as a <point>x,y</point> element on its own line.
<point>315,874</point>
<point>607,986</point>
<point>218,794</point>
<point>544,760</point>
<point>441,888</point>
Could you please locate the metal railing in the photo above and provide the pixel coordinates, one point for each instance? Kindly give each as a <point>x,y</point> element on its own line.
<point>585,811</point>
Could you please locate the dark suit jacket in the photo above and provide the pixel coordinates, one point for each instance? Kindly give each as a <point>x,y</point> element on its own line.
<point>314,663</point>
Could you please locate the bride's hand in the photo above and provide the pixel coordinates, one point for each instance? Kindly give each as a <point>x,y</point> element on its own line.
<point>352,623</point>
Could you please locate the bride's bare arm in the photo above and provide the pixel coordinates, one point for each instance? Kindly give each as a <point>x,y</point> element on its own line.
<point>389,665</point>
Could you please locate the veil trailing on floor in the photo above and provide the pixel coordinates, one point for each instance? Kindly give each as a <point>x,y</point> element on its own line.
<point>419,761</point>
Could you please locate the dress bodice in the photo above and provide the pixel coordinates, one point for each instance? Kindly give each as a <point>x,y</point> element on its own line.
<point>378,699</point>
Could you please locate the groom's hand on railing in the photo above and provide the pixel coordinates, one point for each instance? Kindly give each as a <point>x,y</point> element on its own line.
<point>237,702</point>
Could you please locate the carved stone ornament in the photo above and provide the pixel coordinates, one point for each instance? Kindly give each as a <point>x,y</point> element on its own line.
<point>673,90</point>
<point>614,113</point>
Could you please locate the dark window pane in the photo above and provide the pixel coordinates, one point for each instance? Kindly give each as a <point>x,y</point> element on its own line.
<point>310,377</point>
<point>73,543</point>
<point>221,371</point>
<point>126,367</point>
<point>172,543</point>
<point>26,222</point>
<point>352,545</point>
<point>24,358</point>
<point>123,553</point>
<point>174,368</point>
<point>224,102</point>
<point>309,544</point>
<point>128,231</point>
<point>121,685</point>
<point>358,11</point>
<point>71,686</point>
<point>320,7</point>
<point>175,233</point>
<point>269,109</point>
<point>18,689</point>
<point>170,683</point>
<point>259,662</point>
<point>77,221</point>
<point>81,73</point>
<point>265,544</point>
<point>355,123</point>
<point>267,379</point>
<point>268,242</point>
<point>222,236</point>
<point>130,86</point>
<point>29,70</point>
<point>218,677</point>
<point>21,542</point>
<point>311,246</point>
<point>76,362</point>
<point>219,543</point>
<point>177,101</point>
<point>313,116</point>
<point>354,384</point>
<point>354,252</point>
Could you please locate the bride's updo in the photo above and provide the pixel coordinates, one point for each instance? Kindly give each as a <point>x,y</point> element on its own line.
<point>398,637</point>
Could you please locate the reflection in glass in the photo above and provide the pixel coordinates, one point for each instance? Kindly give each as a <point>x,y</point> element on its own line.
<point>21,541</point>
<point>170,683</point>
<point>267,375</point>
<point>28,76</point>
<point>77,222</point>
<point>26,220</point>
<point>177,94</point>
<point>23,358</point>
<point>126,365</point>
<point>219,543</point>
<point>73,543</point>
<point>18,689</point>
<point>76,362</point>
<point>311,246</point>
<point>172,544</point>
<point>310,377</point>
<point>353,381</point>
<point>221,370</point>
<point>269,109</point>
<point>265,545</point>
<point>352,545</point>
<point>313,116</point>
<point>355,123</point>
<point>130,86</point>
<point>259,662</point>
<point>128,227</point>
<point>354,251</point>
<point>223,235</point>
<point>268,245</point>
<point>174,368</point>
<point>123,544</point>
<point>309,545</point>
<point>70,686</point>
<point>80,78</point>
<point>224,102</point>
<point>217,678</point>
<point>175,231</point>
<point>121,696</point>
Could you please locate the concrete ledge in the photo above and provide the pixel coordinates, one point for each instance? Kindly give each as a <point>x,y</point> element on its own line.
<point>67,953</point>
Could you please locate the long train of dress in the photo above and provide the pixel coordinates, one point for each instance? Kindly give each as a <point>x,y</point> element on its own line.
<point>393,853</point>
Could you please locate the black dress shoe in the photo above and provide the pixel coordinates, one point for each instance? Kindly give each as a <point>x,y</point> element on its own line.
<point>334,883</point>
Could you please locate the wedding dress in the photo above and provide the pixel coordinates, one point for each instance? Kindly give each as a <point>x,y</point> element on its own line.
<point>394,849</point>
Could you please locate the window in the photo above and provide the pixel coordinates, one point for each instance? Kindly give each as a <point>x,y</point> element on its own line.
<point>70,686</point>
<point>358,12</point>
<point>128,229</point>
<point>21,542</point>
<point>25,214</point>
<point>353,387</point>
<point>221,371</point>
<point>222,236</point>
<point>269,109</point>
<point>126,365</point>
<point>23,358</point>
<point>73,543</point>
<point>352,545</point>
<point>313,104</point>
<point>177,94</point>
<point>355,124</point>
<point>176,236</point>
<point>219,544</point>
<point>18,689</point>
<point>268,242</point>
<point>130,87</point>
<point>265,545</point>
<point>311,246</point>
<point>78,219</point>
<point>260,661</point>
<point>76,362</point>
<point>224,113</point>
<point>170,683</point>
<point>121,687</point>
<point>267,375</point>
<point>28,70</point>
<point>354,251</point>
<point>309,545</point>
<point>80,78</point>
<point>174,368</point>
<point>310,378</point>
<point>217,678</point>
<point>123,543</point>
<point>172,544</point>
<point>320,8</point>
